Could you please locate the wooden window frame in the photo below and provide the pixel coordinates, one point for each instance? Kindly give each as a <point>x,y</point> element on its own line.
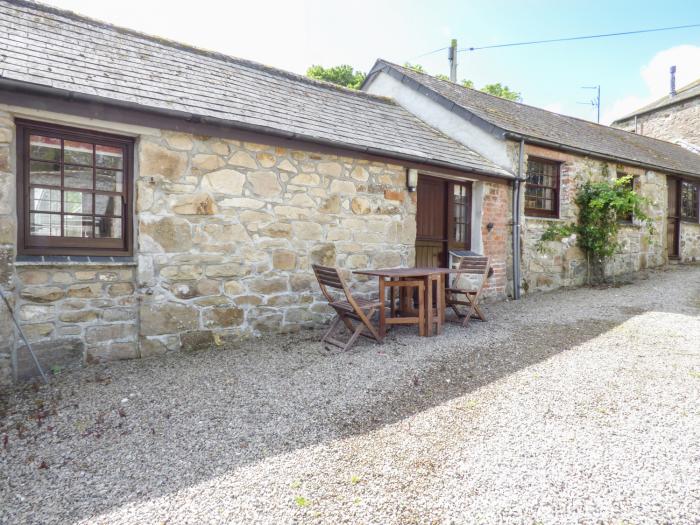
<point>683,216</point>
<point>46,245</point>
<point>537,212</point>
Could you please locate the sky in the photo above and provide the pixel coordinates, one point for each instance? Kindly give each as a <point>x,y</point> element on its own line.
<point>294,34</point>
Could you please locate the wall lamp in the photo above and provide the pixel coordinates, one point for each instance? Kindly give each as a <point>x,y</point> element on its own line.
<point>412,179</point>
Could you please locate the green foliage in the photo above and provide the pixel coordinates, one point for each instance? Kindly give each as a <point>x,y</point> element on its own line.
<point>343,75</point>
<point>602,205</point>
<point>467,83</point>
<point>415,67</point>
<point>501,91</point>
<point>301,501</point>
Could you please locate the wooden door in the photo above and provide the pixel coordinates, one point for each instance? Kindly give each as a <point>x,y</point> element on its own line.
<point>443,219</point>
<point>673,222</point>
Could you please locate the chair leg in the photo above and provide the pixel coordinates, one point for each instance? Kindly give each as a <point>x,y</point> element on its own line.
<point>331,328</point>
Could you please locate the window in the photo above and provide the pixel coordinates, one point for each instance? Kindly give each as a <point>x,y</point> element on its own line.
<point>542,188</point>
<point>689,201</point>
<point>74,191</point>
<point>628,185</point>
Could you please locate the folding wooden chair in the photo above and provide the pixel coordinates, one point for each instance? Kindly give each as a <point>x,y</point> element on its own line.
<point>348,309</point>
<point>473,265</point>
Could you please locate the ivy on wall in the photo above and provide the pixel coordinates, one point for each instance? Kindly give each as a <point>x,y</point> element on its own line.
<point>602,206</point>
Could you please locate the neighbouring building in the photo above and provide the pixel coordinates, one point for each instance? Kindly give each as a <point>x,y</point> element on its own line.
<point>156,197</point>
<point>551,154</point>
<point>673,118</point>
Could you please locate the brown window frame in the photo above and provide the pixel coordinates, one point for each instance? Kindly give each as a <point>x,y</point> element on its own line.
<point>684,217</point>
<point>59,245</point>
<point>538,212</point>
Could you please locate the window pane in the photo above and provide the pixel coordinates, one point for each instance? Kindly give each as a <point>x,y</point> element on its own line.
<point>42,199</point>
<point>45,148</point>
<point>77,226</point>
<point>77,152</point>
<point>46,173</point>
<point>44,224</point>
<point>77,177</point>
<point>77,202</point>
<point>108,227</point>
<point>108,205</point>
<point>109,157</point>
<point>108,180</point>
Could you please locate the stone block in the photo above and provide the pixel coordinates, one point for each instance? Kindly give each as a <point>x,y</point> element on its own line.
<point>310,231</point>
<point>112,352</point>
<point>167,318</point>
<point>110,332</point>
<point>228,270</point>
<point>85,291</point>
<point>343,187</point>
<point>172,234</point>
<point>284,260</point>
<point>152,347</point>
<point>242,159</point>
<point>225,181</point>
<point>194,204</point>
<point>268,285</point>
<point>265,183</point>
<point>42,294</point>
<point>79,316</point>
<point>37,330</point>
<point>197,340</point>
<point>323,254</point>
<point>223,317</point>
<point>119,289</point>
<point>157,161</point>
<point>34,276</point>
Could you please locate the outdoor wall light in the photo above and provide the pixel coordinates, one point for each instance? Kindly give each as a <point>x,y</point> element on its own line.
<point>489,226</point>
<point>412,179</point>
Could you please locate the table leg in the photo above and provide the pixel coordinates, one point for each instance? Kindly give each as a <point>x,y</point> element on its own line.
<point>440,302</point>
<point>382,309</point>
<point>429,305</point>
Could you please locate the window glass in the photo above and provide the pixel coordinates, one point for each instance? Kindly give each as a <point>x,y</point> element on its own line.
<point>77,188</point>
<point>542,188</point>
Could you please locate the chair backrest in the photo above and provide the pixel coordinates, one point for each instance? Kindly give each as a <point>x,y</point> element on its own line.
<point>329,277</point>
<point>474,265</point>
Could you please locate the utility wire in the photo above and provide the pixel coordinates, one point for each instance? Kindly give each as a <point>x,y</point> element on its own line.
<point>568,39</point>
<point>430,53</point>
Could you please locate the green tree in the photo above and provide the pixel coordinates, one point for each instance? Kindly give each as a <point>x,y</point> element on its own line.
<point>415,67</point>
<point>343,75</point>
<point>501,91</point>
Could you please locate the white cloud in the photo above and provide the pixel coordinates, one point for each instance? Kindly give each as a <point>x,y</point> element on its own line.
<point>656,78</point>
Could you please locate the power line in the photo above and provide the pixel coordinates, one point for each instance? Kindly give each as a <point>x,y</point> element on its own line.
<point>430,53</point>
<point>568,39</point>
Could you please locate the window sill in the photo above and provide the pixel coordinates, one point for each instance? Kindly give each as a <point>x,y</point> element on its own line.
<point>538,218</point>
<point>63,261</point>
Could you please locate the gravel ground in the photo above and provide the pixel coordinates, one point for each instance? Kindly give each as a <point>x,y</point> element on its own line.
<point>578,406</point>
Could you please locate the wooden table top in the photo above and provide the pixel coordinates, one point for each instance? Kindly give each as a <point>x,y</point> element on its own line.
<point>408,272</point>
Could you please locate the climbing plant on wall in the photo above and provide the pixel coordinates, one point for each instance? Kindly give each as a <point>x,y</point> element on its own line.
<point>602,206</point>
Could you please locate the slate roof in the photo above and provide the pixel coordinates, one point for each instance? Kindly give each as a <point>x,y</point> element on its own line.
<point>688,92</point>
<point>44,46</point>
<point>500,115</point>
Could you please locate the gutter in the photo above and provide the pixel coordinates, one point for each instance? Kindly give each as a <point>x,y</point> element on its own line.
<point>516,221</point>
<point>28,89</point>
<point>588,153</point>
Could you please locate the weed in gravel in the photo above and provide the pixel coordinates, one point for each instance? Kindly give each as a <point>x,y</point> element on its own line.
<point>301,501</point>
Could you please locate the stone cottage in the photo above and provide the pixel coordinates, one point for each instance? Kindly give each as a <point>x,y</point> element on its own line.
<point>156,197</point>
<point>551,154</point>
<point>674,118</point>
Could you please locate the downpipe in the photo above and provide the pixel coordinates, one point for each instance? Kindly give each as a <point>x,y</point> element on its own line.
<point>516,221</point>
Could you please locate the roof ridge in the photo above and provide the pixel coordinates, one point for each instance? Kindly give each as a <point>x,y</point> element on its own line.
<point>585,121</point>
<point>33,4</point>
<point>662,102</point>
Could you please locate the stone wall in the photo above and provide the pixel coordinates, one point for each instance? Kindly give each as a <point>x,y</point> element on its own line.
<point>563,263</point>
<point>76,312</point>
<point>672,123</point>
<point>228,232</point>
<point>690,242</point>
<point>8,226</point>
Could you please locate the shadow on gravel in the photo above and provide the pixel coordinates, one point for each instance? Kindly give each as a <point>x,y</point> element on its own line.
<point>194,417</point>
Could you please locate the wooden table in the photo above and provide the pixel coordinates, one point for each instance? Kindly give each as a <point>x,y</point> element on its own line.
<point>434,303</point>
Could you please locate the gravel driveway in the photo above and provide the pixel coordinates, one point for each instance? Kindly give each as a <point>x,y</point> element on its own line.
<point>578,406</point>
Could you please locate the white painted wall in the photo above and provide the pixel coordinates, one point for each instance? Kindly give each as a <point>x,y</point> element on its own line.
<point>490,146</point>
